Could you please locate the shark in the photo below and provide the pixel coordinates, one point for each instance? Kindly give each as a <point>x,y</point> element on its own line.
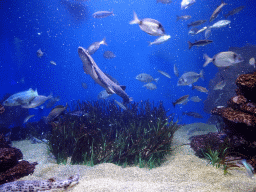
<point>39,186</point>
<point>92,69</point>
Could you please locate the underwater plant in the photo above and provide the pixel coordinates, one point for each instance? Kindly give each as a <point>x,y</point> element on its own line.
<point>100,131</point>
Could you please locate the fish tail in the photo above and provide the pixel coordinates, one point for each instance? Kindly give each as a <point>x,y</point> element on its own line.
<point>177,18</point>
<point>149,44</point>
<point>156,79</point>
<point>190,45</point>
<point>207,60</point>
<point>135,19</point>
<point>202,74</point>
<point>103,42</point>
<point>173,103</point>
<point>50,96</point>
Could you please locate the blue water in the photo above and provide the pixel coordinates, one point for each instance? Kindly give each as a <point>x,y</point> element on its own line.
<point>60,27</point>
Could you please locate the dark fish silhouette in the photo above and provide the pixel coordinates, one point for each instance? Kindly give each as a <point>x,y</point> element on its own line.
<point>234,11</point>
<point>193,114</point>
<point>92,69</point>
<point>217,11</point>
<point>196,23</point>
<point>199,43</point>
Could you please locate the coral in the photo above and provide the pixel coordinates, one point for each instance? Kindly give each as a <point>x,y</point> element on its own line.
<point>100,132</point>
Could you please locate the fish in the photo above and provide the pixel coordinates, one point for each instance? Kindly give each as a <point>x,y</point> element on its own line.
<point>102,14</point>
<point>164,1</point>
<point>221,23</point>
<point>196,23</point>
<point>78,113</point>
<point>150,26</point>
<point>95,46</point>
<point>21,98</point>
<point>38,185</point>
<point>195,99</point>
<point>193,31</point>
<point>160,40</point>
<point>27,118</point>
<point>189,78</point>
<point>146,78</point>
<point>120,105</point>
<point>109,55</point>
<point>92,69</point>
<point>199,43</point>
<point>37,101</point>
<point>84,85</point>
<point>187,3</point>
<point>39,53</point>
<point>234,11</point>
<point>164,74</point>
<point>53,63</point>
<point>201,30</point>
<point>207,33</point>
<point>55,112</point>
<point>104,95</point>
<point>183,17</point>
<point>223,59</point>
<point>220,85</point>
<point>252,62</point>
<point>182,100</point>
<point>175,70</point>
<point>150,86</point>
<point>193,114</point>
<point>200,88</point>
<point>52,101</point>
<point>217,11</point>
<point>248,167</point>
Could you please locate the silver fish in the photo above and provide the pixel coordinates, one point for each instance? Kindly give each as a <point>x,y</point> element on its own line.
<point>196,23</point>
<point>120,105</point>
<point>183,17</point>
<point>150,26</point>
<point>207,33</point>
<point>252,62</point>
<point>160,40</point>
<point>199,43</point>
<point>221,23</point>
<point>200,88</point>
<point>248,167</point>
<point>193,31</point>
<point>109,55</point>
<point>234,11</point>
<point>27,118</point>
<point>39,53</point>
<point>220,85</point>
<point>92,69</point>
<point>217,11</point>
<point>37,101</point>
<point>223,59</point>
<point>201,30</point>
<point>102,14</point>
<point>164,1</point>
<point>182,100</point>
<point>175,70</point>
<point>104,95</point>
<point>187,3</point>
<point>53,63</point>
<point>95,46</point>
<point>146,78</point>
<point>164,74</point>
<point>189,78</point>
<point>195,99</point>
<point>150,86</point>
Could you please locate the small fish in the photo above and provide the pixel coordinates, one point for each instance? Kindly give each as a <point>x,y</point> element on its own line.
<point>104,95</point>
<point>195,99</point>
<point>183,17</point>
<point>27,118</point>
<point>53,63</point>
<point>150,26</point>
<point>234,11</point>
<point>199,43</point>
<point>182,100</point>
<point>196,23</point>
<point>164,74</point>
<point>120,105</point>
<point>37,101</point>
<point>207,33</point>
<point>175,70</point>
<point>252,62</point>
<point>55,112</point>
<point>217,11</point>
<point>109,55</point>
<point>248,167</point>
<point>160,40</point>
<point>21,98</point>
<point>84,85</point>
<point>39,53</point>
<point>221,23</point>
<point>150,86</point>
<point>193,31</point>
<point>95,46</point>
<point>223,59</point>
<point>164,1</point>
<point>220,85</point>
<point>189,78</point>
<point>102,14</point>
<point>79,113</point>
<point>200,88</point>
<point>201,30</point>
<point>146,78</point>
<point>193,114</point>
<point>187,3</point>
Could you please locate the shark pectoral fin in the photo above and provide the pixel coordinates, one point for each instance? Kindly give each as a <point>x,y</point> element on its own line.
<point>123,87</point>
<point>110,91</point>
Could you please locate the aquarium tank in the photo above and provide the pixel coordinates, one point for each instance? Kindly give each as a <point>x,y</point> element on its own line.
<point>127,84</point>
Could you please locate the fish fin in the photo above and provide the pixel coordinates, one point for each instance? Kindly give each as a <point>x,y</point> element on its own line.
<point>123,87</point>
<point>94,72</point>
<point>103,42</point>
<point>135,19</point>
<point>202,74</point>
<point>156,79</point>
<point>207,60</point>
<point>190,45</point>
<point>110,91</point>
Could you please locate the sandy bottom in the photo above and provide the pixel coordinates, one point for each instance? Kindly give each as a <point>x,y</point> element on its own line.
<point>182,171</point>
